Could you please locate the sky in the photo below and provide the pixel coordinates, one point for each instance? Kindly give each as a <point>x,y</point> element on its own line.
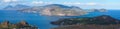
<point>85,4</point>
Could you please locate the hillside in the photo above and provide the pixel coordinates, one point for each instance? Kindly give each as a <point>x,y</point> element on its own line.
<point>98,22</point>
<point>56,10</point>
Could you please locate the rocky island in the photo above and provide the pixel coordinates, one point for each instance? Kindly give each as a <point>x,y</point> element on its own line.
<point>98,22</point>
<point>56,10</point>
<point>97,10</point>
<point>59,10</point>
<point>20,25</point>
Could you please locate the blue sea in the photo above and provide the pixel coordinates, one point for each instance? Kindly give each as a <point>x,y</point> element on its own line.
<point>43,22</point>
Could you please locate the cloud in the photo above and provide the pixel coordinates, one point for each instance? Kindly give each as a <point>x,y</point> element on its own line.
<point>83,4</point>
<point>37,2</point>
<point>72,3</point>
<point>40,2</point>
<point>91,4</point>
<point>94,4</point>
<point>10,1</point>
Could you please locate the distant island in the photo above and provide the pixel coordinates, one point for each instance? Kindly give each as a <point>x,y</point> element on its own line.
<point>97,10</point>
<point>16,7</point>
<point>105,21</point>
<point>53,10</point>
<point>20,25</point>
<point>59,10</point>
<point>56,10</point>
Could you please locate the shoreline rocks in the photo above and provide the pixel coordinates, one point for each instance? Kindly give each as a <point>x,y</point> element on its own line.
<point>20,25</point>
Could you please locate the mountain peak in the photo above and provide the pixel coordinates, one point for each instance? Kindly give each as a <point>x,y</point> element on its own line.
<point>16,7</point>
<point>21,5</point>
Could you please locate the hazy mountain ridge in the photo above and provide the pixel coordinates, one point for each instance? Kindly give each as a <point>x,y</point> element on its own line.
<point>16,7</point>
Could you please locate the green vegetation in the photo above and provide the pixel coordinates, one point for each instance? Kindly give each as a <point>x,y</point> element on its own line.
<point>99,20</point>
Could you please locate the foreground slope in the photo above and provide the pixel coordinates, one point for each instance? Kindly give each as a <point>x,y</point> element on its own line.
<point>98,22</point>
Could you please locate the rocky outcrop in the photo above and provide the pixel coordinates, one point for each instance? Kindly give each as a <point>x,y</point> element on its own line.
<point>97,10</point>
<point>99,20</point>
<point>20,25</point>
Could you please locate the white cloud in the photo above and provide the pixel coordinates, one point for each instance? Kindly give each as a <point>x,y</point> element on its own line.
<point>10,0</point>
<point>37,2</point>
<point>40,2</point>
<point>91,4</point>
<point>72,3</point>
<point>83,4</point>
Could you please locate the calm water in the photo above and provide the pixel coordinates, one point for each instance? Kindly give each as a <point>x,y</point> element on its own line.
<point>43,22</point>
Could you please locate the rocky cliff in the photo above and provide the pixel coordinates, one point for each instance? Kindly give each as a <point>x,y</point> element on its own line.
<point>20,25</point>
